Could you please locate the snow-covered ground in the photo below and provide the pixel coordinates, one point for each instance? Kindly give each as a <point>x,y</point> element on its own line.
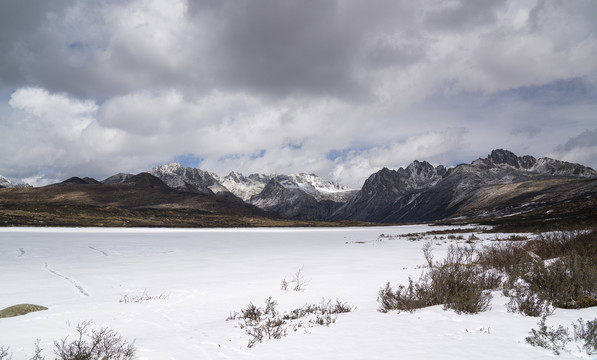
<point>198,277</point>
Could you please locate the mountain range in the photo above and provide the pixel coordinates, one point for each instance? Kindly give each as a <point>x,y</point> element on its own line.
<point>300,197</point>
<point>502,186</point>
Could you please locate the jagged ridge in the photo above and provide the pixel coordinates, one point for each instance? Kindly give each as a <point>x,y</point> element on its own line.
<point>424,193</point>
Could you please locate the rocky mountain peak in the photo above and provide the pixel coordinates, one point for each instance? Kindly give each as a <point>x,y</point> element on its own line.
<point>235,177</point>
<point>116,179</point>
<point>4,182</point>
<point>384,180</point>
<point>501,156</point>
<point>147,180</point>
<point>188,179</point>
<point>78,180</point>
<point>422,192</point>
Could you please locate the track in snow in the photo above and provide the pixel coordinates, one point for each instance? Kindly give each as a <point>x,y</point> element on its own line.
<point>76,284</point>
<point>103,252</point>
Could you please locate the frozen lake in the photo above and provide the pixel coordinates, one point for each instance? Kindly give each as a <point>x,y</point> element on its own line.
<point>198,277</point>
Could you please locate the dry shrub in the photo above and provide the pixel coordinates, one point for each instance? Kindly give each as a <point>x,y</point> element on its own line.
<point>504,256</point>
<point>457,282</point>
<point>4,355</point>
<point>549,338</point>
<point>555,244</point>
<point>94,344</point>
<point>555,339</point>
<point>556,269</point>
<point>266,323</point>
<point>587,334</point>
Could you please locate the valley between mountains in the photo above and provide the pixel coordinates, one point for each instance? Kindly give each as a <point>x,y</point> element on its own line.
<point>501,189</point>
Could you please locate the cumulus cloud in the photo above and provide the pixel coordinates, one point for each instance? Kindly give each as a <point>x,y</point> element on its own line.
<point>580,149</point>
<point>356,166</point>
<point>43,131</point>
<point>339,88</point>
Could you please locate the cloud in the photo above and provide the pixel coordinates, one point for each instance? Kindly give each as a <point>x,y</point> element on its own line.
<point>462,14</point>
<point>95,88</point>
<point>44,129</point>
<point>356,166</point>
<point>580,149</point>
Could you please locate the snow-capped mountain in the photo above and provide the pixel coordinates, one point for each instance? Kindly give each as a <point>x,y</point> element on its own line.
<point>381,190</point>
<point>118,178</point>
<point>189,179</point>
<point>242,186</point>
<point>245,187</point>
<point>500,184</point>
<point>321,189</point>
<point>424,193</point>
<point>5,183</point>
<point>302,196</point>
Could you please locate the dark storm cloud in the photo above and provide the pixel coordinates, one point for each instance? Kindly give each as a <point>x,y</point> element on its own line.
<point>305,47</point>
<point>285,46</point>
<point>88,87</point>
<point>19,21</point>
<point>278,48</point>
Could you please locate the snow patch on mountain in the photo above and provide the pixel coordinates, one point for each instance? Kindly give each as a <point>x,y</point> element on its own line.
<point>246,187</point>
<point>242,186</point>
<point>5,183</point>
<point>422,192</point>
<point>117,179</point>
<point>188,179</point>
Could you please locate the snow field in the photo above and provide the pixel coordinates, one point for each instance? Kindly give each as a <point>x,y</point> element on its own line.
<point>196,278</point>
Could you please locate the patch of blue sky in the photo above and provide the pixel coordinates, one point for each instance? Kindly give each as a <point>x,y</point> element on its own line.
<point>557,93</point>
<point>188,160</point>
<point>342,154</point>
<point>5,108</point>
<point>337,154</point>
<point>294,145</point>
<point>6,95</point>
<point>258,154</point>
<point>77,46</point>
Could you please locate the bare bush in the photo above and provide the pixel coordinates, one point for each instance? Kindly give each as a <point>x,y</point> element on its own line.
<point>297,283</point>
<point>554,244</point>
<point>91,344</point>
<point>270,329</point>
<point>549,338</point>
<point>555,269</point>
<point>142,298</point>
<point>569,281</point>
<point>504,256</point>
<point>457,282</point>
<point>525,301</point>
<point>37,353</point>
<point>556,339</point>
<point>4,355</point>
<point>266,323</point>
<point>587,333</point>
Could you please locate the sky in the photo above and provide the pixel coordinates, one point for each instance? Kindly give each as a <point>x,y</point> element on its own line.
<point>339,88</point>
